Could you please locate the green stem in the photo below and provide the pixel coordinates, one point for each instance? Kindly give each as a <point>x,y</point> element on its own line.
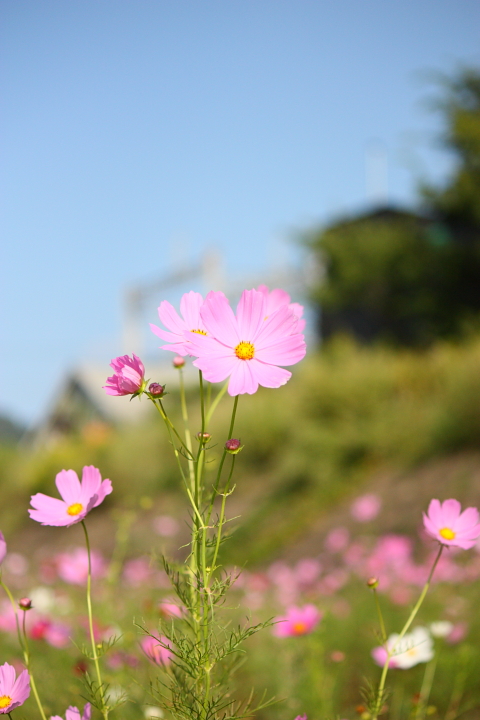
<point>25,650</point>
<point>188,438</point>
<point>214,404</point>
<point>222,461</point>
<point>425,689</point>
<point>90,624</point>
<point>381,687</point>
<point>380,616</point>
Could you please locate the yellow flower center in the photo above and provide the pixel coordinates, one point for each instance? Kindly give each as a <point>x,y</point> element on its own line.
<point>5,701</point>
<point>75,509</point>
<point>199,332</point>
<point>245,351</point>
<point>299,628</point>
<point>447,534</point>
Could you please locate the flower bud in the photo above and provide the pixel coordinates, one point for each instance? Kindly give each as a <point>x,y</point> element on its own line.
<point>233,446</point>
<point>25,603</point>
<point>372,583</point>
<point>178,362</point>
<point>156,389</point>
<point>203,437</point>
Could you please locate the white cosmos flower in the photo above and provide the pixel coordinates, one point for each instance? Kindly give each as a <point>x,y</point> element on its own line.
<point>415,647</point>
<point>441,628</point>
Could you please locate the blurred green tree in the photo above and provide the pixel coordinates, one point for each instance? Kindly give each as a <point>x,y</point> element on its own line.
<point>404,277</point>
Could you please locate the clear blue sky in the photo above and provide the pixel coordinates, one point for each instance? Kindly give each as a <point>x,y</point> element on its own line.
<point>129,123</point>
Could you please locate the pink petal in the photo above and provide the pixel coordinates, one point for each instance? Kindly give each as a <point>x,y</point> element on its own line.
<point>21,689</point>
<point>170,318</point>
<point>87,711</point>
<point>180,348</point>
<point>251,311</point>
<point>242,379</point>
<point>68,486</point>
<point>286,351</point>
<point>216,368</point>
<point>164,334</point>
<point>430,527</point>
<point>219,320</point>
<point>190,305</point>
<point>451,509</point>
<point>435,513</point>
<point>277,326</point>
<point>104,490</point>
<point>7,679</point>
<point>277,298</point>
<point>91,481</point>
<point>201,345</point>
<point>269,375</point>
<point>73,713</point>
<point>468,519</point>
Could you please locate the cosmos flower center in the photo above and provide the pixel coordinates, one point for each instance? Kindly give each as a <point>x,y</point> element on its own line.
<point>199,332</point>
<point>244,350</point>
<point>447,534</point>
<point>5,701</point>
<point>299,628</point>
<point>75,509</point>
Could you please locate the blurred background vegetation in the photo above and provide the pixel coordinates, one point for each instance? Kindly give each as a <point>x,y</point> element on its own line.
<point>389,404</point>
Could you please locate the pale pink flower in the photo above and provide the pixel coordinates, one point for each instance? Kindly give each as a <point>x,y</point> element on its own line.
<point>246,347</point>
<point>447,523</point>
<point>190,321</point>
<point>415,647</point>
<point>155,651</point>
<point>307,571</point>
<point>72,567</point>
<point>170,610</point>
<point>139,571</point>
<point>166,526</point>
<point>3,548</point>
<point>73,713</point>
<point>78,498</point>
<point>457,634</point>
<point>129,376</point>
<point>337,539</point>
<point>13,691</point>
<point>57,634</point>
<point>278,298</point>
<point>297,621</point>
<point>366,507</point>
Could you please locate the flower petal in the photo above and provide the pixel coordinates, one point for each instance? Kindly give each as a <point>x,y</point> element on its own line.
<point>219,320</point>
<point>242,379</point>
<point>286,351</point>
<point>68,486</point>
<point>269,376</point>
<point>251,311</point>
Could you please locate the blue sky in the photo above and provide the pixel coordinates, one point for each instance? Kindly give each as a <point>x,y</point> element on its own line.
<point>135,132</point>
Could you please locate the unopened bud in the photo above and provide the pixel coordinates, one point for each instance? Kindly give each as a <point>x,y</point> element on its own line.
<point>156,389</point>
<point>25,603</point>
<point>233,446</point>
<point>178,361</point>
<point>203,437</point>
<point>372,582</point>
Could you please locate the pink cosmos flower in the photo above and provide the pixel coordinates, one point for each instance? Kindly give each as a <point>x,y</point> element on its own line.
<point>3,548</point>
<point>190,321</point>
<point>129,376</point>
<point>154,651</point>
<point>279,298</point>
<point>297,621</point>
<point>13,691</point>
<point>73,713</point>
<point>247,347</point>
<point>78,498</point>
<point>171,610</point>
<point>72,567</point>
<point>366,507</point>
<point>447,523</point>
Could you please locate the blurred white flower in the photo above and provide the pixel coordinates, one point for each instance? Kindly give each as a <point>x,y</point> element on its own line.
<point>441,628</point>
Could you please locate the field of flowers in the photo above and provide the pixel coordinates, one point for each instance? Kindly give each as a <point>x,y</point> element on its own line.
<point>336,471</point>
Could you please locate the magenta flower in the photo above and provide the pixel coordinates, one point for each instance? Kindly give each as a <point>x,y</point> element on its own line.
<point>297,621</point>
<point>447,523</point>
<point>3,548</point>
<point>129,376</point>
<point>78,498</point>
<point>73,713</point>
<point>155,651</point>
<point>279,298</point>
<point>247,347</point>
<point>190,321</point>
<point>13,691</point>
